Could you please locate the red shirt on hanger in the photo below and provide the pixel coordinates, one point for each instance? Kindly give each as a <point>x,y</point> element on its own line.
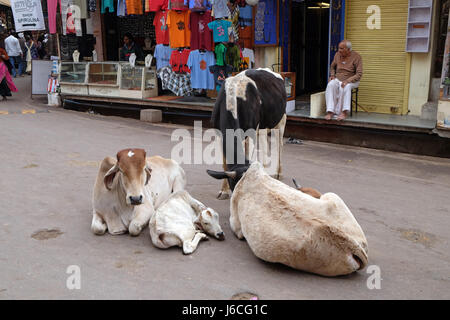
<point>178,61</point>
<point>161,27</point>
<point>201,35</point>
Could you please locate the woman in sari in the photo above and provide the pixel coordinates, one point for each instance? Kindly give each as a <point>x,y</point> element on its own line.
<point>32,52</point>
<point>6,82</point>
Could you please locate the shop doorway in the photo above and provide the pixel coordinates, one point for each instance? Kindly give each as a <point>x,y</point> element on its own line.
<point>310,46</point>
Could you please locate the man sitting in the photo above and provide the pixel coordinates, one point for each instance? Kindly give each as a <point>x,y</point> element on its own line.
<point>345,73</point>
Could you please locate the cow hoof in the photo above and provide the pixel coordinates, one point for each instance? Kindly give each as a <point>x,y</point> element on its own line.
<point>223,195</point>
<point>134,229</point>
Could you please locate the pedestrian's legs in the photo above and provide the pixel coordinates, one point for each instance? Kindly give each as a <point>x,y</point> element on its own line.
<point>20,63</point>
<point>331,96</point>
<point>13,68</point>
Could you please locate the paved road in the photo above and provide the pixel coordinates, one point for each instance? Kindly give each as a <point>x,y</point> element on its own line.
<point>49,161</point>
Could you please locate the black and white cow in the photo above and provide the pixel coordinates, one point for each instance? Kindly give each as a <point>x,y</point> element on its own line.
<point>253,99</point>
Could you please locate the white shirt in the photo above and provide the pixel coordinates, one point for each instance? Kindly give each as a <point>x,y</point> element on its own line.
<point>248,53</point>
<point>12,46</point>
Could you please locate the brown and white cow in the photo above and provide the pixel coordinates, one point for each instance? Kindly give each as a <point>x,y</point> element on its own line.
<point>129,188</point>
<point>284,225</point>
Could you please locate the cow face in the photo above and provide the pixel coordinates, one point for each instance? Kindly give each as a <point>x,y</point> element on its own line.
<point>233,175</point>
<point>133,174</point>
<point>209,221</point>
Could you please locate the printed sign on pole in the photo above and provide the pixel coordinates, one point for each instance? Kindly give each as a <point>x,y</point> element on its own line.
<point>27,15</point>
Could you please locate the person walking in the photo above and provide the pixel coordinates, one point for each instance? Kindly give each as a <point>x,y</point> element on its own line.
<point>31,52</point>
<point>12,46</point>
<point>6,82</point>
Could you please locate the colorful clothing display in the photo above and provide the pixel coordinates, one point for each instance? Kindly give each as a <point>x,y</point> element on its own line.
<point>178,61</point>
<point>162,55</point>
<point>220,30</point>
<point>156,5</point>
<point>198,5</point>
<point>178,83</point>
<point>178,5</point>
<point>220,74</point>
<point>179,33</point>
<point>220,8</point>
<point>220,50</point>
<point>199,63</point>
<point>134,7</point>
<point>233,56</point>
<point>121,8</point>
<point>245,16</point>
<point>107,4</point>
<point>161,28</point>
<point>249,57</point>
<point>201,35</point>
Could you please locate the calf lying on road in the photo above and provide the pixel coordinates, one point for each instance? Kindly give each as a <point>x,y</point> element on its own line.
<point>129,189</point>
<point>183,221</point>
<point>284,225</point>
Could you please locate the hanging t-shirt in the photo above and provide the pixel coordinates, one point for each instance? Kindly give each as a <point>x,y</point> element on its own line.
<point>198,5</point>
<point>220,30</point>
<point>162,55</point>
<point>179,33</point>
<point>107,4</point>
<point>156,5</point>
<point>220,74</point>
<point>178,5</point>
<point>220,51</point>
<point>199,63</point>
<point>248,56</point>
<point>245,16</point>
<point>134,7</point>
<point>220,8</point>
<point>245,37</point>
<point>161,28</point>
<point>178,60</point>
<point>121,8</point>
<point>233,56</point>
<point>201,35</point>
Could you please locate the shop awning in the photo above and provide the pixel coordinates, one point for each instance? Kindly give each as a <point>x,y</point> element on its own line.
<point>5,3</point>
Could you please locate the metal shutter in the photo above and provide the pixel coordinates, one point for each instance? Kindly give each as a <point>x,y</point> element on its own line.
<point>386,65</point>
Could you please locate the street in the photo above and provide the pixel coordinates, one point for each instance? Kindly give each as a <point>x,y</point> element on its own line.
<point>49,161</point>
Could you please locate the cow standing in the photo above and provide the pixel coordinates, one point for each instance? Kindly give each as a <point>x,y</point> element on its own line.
<point>253,99</point>
<point>130,188</point>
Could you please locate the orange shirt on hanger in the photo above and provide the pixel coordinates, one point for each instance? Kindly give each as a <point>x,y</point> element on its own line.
<point>179,33</point>
<point>134,7</point>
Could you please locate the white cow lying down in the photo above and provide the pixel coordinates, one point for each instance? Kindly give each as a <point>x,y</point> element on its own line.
<point>129,188</point>
<point>284,225</point>
<point>183,221</point>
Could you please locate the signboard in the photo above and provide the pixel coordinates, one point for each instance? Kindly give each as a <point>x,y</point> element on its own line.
<point>39,77</point>
<point>27,15</point>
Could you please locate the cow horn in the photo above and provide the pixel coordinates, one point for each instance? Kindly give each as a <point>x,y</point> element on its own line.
<point>295,183</point>
<point>231,174</point>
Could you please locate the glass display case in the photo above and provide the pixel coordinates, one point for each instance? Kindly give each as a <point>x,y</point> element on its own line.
<point>103,79</point>
<point>72,78</point>
<point>137,82</point>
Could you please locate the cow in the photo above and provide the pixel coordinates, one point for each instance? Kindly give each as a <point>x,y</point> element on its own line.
<point>284,225</point>
<point>129,188</point>
<point>253,99</point>
<point>183,221</point>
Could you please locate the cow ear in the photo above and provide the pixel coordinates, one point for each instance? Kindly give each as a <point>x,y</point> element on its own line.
<point>109,176</point>
<point>217,174</point>
<point>148,171</point>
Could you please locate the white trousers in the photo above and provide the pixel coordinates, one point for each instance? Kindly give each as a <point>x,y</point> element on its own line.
<point>339,99</point>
